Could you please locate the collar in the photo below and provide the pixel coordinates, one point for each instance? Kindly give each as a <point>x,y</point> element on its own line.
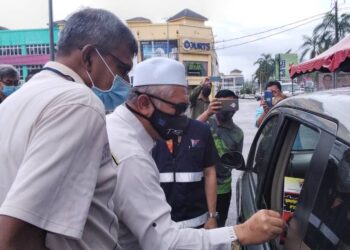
<point>65,70</point>
<point>142,136</point>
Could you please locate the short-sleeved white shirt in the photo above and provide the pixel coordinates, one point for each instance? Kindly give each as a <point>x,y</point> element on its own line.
<point>140,203</point>
<point>56,170</point>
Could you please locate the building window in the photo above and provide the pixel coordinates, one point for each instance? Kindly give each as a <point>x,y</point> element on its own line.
<point>20,71</point>
<point>38,49</point>
<point>13,50</point>
<point>195,68</point>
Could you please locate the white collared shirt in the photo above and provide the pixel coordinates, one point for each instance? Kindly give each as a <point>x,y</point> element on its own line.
<point>56,170</point>
<point>140,203</point>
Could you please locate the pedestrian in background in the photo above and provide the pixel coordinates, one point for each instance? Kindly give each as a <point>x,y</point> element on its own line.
<point>155,111</point>
<point>9,79</point>
<point>263,109</point>
<point>199,99</point>
<point>56,172</point>
<point>228,137</point>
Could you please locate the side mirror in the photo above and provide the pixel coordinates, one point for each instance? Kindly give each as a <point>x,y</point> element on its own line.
<point>233,160</point>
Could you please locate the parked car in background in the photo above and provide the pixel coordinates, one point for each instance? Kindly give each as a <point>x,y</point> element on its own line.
<point>290,89</point>
<point>299,165</point>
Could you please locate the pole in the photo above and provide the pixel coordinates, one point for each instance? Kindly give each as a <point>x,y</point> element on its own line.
<point>52,45</point>
<point>167,37</point>
<point>336,22</point>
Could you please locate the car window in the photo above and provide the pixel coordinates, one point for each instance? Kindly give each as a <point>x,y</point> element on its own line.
<point>264,145</point>
<point>292,166</point>
<point>329,222</point>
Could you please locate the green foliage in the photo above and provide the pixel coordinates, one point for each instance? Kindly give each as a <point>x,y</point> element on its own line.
<point>265,69</point>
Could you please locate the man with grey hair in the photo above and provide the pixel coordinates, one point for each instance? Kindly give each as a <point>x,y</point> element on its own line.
<point>56,172</point>
<point>9,78</point>
<point>155,111</point>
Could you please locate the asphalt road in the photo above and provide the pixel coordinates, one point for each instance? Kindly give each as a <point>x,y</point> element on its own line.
<point>245,119</point>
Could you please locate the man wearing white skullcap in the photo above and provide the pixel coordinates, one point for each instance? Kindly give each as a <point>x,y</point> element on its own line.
<point>155,111</point>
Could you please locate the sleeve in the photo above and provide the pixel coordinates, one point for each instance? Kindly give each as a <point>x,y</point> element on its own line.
<point>194,95</point>
<point>259,112</point>
<point>55,183</point>
<point>211,155</point>
<point>142,207</point>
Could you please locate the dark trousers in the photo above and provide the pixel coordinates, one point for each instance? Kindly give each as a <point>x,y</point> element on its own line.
<point>222,206</point>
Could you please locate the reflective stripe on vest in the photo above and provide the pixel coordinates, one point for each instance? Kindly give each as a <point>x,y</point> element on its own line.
<point>181,177</point>
<point>195,222</point>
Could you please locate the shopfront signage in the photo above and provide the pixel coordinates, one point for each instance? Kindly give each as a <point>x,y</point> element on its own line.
<point>189,45</point>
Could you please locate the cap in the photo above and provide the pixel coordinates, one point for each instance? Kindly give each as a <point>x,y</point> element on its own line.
<point>159,71</point>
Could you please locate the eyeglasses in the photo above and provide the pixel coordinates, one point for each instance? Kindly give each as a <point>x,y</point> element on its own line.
<point>180,108</point>
<point>125,68</point>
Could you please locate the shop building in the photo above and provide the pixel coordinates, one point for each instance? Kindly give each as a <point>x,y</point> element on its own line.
<point>26,49</point>
<point>183,37</point>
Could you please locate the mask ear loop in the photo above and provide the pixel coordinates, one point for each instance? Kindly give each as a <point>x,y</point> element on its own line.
<point>103,60</point>
<point>92,82</point>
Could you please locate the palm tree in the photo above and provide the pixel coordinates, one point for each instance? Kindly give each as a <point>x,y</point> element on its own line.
<point>310,46</point>
<point>323,36</point>
<point>265,69</point>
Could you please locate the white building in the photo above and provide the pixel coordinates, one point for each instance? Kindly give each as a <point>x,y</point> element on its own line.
<point>233,81</point>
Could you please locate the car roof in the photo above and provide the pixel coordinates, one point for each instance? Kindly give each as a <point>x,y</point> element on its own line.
<point>333,104</point>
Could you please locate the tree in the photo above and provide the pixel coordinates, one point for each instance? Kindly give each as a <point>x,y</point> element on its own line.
<point>323,36</point>
<point>265,69</point>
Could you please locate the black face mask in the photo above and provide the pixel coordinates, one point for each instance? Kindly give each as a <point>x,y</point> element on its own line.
<point>225,116</point>
<point>167,126</point>
<point>206,91</point>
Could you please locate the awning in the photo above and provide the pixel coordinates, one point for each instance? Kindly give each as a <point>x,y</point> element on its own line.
<point>328,61</point>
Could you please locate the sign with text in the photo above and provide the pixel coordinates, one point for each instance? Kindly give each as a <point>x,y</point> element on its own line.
<point>195,46</point>
<point>195,68</point>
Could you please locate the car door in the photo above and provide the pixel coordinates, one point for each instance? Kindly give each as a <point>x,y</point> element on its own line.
<point>259,157</point>
<point>327,225</point>
<point>296,137</point>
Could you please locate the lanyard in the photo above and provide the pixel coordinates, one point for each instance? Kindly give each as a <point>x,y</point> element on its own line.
<point>67,77</point>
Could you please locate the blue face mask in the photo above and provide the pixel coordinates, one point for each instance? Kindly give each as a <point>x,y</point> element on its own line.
<point>114,96</point>
<point>8,90</point>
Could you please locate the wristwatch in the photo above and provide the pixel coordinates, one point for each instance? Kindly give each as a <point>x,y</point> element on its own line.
<point>235,245</point>
<point>213,215</point>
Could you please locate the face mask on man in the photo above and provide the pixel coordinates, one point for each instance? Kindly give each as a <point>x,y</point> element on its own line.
<point>8,90</point>
<point>206,91</point>
<point>114,96</point>
<point>225,116</point>
<point>167,126</point>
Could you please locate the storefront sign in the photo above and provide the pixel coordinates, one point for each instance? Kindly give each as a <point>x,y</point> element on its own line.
<point>196,68</point>
<point>189,45</point>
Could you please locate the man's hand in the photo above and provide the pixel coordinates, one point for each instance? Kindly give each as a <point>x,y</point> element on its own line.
<point>263,226</point>
<point>214,107</point>
<point>265,106</point>
<point>211,223</point>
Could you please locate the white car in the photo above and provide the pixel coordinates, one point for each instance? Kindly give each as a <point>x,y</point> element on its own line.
<point>288,89</point>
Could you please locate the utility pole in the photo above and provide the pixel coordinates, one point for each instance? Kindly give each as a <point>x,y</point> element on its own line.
<point>167,37</point>
<point>336,22</point>
<point>52,45</point>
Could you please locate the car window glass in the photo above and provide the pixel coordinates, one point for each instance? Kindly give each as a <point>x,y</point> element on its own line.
<point>329,222</point>
<point>264,145</point>
<point>298,164</point>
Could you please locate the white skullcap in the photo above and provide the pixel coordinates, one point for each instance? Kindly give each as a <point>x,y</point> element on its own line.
<point>159,71</point>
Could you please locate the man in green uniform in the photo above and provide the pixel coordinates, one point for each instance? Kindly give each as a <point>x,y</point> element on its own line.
<point>228,137</point>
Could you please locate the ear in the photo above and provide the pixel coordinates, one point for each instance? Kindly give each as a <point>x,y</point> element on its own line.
<point>87,52</point>
<point>144,105</point>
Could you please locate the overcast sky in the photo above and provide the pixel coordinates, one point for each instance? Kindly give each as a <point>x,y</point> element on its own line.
<point>229,19</point>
